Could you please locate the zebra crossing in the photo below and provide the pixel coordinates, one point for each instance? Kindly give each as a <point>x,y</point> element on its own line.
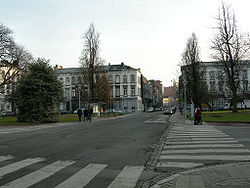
<point>127,178</point>
<point>190,146</point>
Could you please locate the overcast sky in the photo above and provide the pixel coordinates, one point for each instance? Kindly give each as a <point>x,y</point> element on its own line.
<point>146,34</point>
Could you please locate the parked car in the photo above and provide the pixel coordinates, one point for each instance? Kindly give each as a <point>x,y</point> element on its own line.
<point>168,111</point>
<point>150,109</point>
<point>6,113</point>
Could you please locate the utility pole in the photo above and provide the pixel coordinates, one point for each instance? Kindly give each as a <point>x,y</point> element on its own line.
<point>185,97</point>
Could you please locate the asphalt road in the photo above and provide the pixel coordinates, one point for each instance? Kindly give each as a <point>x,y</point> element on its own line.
<point>108,145</point>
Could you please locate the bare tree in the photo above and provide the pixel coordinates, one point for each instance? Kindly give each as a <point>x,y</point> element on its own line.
<point>90,58</point>
<point>230,47</point>
<point>193,70</point>
<point>13,57</point>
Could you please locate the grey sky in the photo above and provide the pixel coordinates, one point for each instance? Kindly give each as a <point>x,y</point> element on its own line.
<point>146,34</point>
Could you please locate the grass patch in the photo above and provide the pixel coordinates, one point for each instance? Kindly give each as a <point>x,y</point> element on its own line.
<point>61,118</point>
<point>240,117</point>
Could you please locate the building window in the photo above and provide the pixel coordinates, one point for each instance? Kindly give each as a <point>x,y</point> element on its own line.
<point>73,80</point>
<point>125,80</point>
<point>212,86</point>
<point>67,81</point>
<point>117,79</point>
<point>117,91</point>
<point>73,92</point>
<point>61,106</point>
<point>212,75</point>
<point>110,78</point>
<point>61,80</point>
<point>245,85</point>
<point>125,90</point>
<point>67,92</point>
<point>132,78</point>
<point>133,104</point>
<point>79,80</point>
<point>221,88</point>
<point>132,90</point>
<point>244,75</point>
<point>125,105</point>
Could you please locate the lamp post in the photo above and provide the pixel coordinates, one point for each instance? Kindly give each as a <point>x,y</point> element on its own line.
<point>79,96</point>
<point>185,98</point>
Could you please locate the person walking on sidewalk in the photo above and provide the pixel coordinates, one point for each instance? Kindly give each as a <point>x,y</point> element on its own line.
<point>90,111</point>
<point>79,112</point>
<point>197,116</point>
<point>85,113</point>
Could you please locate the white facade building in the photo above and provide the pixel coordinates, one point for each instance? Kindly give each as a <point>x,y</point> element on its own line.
<point>125,83</point>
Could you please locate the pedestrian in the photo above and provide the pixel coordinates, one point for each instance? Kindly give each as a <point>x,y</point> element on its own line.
<point>85,112</point>
<point>79,112</point>
<point>90,111</point>
<point>197,116</point>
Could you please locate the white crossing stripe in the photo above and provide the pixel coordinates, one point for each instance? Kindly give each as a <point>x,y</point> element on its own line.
<point>178,165</point>
<point>83,177</point>
<point>127,178</point>
<point>199,136</point>
<point>38,175</point>
<point>203,142</point>
<point>204,146</point>
<point>18,165</point>
<point>207,157</point>
<point>196,139</point>
<point>210,150</point>
<point>4,158</point>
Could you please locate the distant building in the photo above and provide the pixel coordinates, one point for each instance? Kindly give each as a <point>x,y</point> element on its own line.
<point>147,93</point>
<point>124,80</point>
<point>157,93</point>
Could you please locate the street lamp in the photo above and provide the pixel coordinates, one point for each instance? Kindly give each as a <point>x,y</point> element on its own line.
<point>185,97</point>
<point>79,99</point>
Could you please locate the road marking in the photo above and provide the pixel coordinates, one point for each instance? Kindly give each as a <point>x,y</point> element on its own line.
<point>18,165</point>
<point>83,177</point>
<point>197,139</point>
<point>207,157</point>
<point>203,142</point>
<point>204,146</point>
<point>38,175</point>
<point>4,158</point>
<point>207,136</point>
<point>211,150</point>
<point>178,165</point>
<point>127,177</point>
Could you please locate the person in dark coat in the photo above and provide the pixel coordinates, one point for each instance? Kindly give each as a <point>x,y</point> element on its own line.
<point>86,114</point>
<point>79,112</point>
<point>197,116</point>
<point>89,113</point>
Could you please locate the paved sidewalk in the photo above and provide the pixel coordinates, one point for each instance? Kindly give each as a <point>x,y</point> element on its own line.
<point>235,173</point>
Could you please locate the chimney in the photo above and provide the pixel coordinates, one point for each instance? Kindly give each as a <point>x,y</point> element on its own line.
<point>122,64</point>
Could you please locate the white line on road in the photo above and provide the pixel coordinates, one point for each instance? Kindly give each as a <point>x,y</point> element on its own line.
<point>206,157</point>
<point>83,177</point>
<point>204,146</point>
<point>38,175</point>
<point>18,165</point>
<point>203,142</point>
<point>211,150</point>
<point>4,158</point>
<point>178,165</point>
<point>127,178</point>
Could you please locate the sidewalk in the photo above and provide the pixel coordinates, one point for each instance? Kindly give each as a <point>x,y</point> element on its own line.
<point>233,174</point>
